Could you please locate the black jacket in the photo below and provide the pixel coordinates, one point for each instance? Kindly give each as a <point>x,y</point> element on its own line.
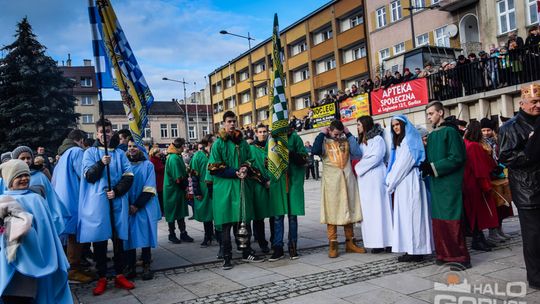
<point>523,173</point>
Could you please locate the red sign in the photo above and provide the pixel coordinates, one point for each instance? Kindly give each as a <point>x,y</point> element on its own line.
<point>401,96</point>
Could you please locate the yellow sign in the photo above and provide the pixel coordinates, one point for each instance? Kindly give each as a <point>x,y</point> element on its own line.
<point>354,107</point>
<point>323,115</point>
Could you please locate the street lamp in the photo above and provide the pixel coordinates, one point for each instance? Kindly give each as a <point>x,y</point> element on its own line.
<point>251,90</point>
<point>186,115</point>
<point>411,8</point>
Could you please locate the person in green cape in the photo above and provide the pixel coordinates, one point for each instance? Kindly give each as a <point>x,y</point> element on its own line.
<point>261,204</point>
<point>230,164</point>
<point>287,197</point>
<point>202,204</point>
<point>445,165</point>
<point>174,191</point>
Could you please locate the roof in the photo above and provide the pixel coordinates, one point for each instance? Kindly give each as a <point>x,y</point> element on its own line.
<point>280,33</point>
<point>115,107</point>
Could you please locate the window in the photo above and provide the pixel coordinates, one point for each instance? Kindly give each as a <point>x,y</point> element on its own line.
<point>533,12</point>
<point>244,97</point>
<point>435,1</point>
<point>507,16</point>
<point>326,65</point>
<point>441,38</point>
<point>321,36</point>
<point>418,3</point>
<point>351,22</point>
<point>399,48</point>
<point>115,127</point>
<point>164,131</point>
<point>381,17</point>
<point>174,130</point>
<point>229,82</point>
<point>262,114</point>
<point>192,132</point>
<point>231,102</point>
<point>422,39</point>
<point>86,101</point>
<point>329,90</point>
<point>86,82</point>
<point>246,119</point>
<point>125,127</point>
<point>205,130</point>
<point>354,53</point>
<point>243,75</point>
<point>260,67</point>
<point>90,135</point>
<point>301,102</point>
<point>217,88</point>
<point>384,53</point>
<point>147,133</point>
<point>395,8</point>
<point>300,75</point>
<point>87,118</point>
<point>261,91</point>
<point>298,48</point>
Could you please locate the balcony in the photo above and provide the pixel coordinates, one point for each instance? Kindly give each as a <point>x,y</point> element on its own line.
<point>350,36</point>
<point>454,5</point>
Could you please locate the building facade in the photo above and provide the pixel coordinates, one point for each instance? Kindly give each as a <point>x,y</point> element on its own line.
<point>324,52</point>
<point>86,92</point>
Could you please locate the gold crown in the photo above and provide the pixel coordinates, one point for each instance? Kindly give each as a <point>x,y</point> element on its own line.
<point>530,91</point>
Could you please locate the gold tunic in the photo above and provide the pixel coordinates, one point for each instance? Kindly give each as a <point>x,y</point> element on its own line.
<point>340,201</point>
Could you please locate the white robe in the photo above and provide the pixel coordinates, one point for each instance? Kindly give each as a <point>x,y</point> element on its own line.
<point>412,222</point>
<point>375,201</point>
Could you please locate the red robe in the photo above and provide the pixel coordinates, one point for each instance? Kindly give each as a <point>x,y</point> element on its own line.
<point>480,206</point>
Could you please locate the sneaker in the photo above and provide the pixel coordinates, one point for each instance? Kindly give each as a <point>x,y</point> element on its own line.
<point>277,254</point>
<point>204,244</point>
<point>185,237</point>
<point>147,274</point>
<point>503,235</point>
<point>121,282</point>
<point>377,250</point>
<point>77,276</point>
<point>173,239</point>
<point>265,249</point>
<point>388,249</point>
<point>227,264</point>
<point>250,258</point>
<point>101,286</point>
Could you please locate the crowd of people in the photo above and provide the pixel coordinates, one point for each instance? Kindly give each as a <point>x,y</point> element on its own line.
<point>413,193</point>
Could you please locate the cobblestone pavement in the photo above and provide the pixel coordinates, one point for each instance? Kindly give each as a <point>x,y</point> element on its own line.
<point>315,278</point>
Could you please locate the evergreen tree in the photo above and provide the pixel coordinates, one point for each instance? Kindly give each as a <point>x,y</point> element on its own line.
<point>36,107</point>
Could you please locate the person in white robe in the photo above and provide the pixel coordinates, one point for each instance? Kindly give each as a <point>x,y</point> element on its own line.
<point>371,173</point>
<point>412,222</point>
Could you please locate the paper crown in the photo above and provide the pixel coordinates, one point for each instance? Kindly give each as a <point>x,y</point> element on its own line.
<point>530,91</point>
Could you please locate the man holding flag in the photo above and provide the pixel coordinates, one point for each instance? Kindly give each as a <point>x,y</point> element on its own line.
<point>103,208</point>
<point>286,179</point>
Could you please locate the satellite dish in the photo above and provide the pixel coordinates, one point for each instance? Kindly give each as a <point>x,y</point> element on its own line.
<point>451,30</point>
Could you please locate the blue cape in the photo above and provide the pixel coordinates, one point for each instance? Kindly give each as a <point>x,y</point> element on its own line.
<point>40,254</point>
<point>143,224</point>
<point>413,140</point>
<point>66,182</point>
<point>94,224</point>
<point>60,214</point>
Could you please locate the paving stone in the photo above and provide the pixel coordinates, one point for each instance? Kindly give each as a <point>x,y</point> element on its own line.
<point>212,286</point>
<point>163,291</point>
<point>407,283</point>
<point>383,296</point>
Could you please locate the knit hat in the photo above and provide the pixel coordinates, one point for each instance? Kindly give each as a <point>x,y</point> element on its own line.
<point>423,131</point>
<point>12,169</point>
<point>486,123</point>
<point>19,150</point>
<point>5,157</point>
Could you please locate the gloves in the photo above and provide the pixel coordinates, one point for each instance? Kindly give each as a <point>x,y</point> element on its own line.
<point>426,169</point>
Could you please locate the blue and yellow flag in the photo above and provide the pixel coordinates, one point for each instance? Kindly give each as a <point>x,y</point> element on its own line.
<point>128,78</point>
<point>278,152</point>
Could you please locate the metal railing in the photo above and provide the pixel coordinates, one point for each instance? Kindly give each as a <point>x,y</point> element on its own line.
<point>485,74</point>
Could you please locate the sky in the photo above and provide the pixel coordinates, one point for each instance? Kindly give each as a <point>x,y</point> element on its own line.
<point>177,39</point>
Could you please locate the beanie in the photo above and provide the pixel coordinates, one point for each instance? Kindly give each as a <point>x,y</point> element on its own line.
<point>12,169</point>
<point>485,123</point>
<point>19,150</point>
<point>5,157</point>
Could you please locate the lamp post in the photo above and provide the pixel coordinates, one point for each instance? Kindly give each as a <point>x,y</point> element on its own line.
<point>251,91</point>
<point>186,115</point>
<point>411,8</point>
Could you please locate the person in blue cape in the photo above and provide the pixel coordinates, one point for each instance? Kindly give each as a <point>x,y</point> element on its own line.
<point>144,212</point>
<point>4,158</point>
<point>33,267</point>
<point>95,199</point>
<point>66,181</point>
<point>40,183</point>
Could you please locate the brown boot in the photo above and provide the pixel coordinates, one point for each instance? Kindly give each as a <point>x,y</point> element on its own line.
<point>350,242</point>
<point>333,251</point>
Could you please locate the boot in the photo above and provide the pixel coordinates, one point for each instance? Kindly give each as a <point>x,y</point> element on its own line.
<point>333,251</point>
<point>147,274</point>
<point>77,276</point>
<point>130,272</point>
<point>227,264</point>
<point>185,237</point>
<point>293,253</point>
<point>172,236</point>
<point>485,241</point>
<point>350,242</point>
<point>277,254</point>
<point>495,237</point>
<point>477,243</point>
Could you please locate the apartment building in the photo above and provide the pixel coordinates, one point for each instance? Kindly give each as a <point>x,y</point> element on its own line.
<point>325,51</point>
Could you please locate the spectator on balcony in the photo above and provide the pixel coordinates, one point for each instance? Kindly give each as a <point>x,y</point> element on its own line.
<point>428,70</point>
<point>407,75</point>
<point>397,77</point>
<point>503,66</point>
<point>417,72</point>
<point>493,66</point>
<point>532,43</point>
<point>327,99</point>
<point>516,60</point>
<point>513,37</point>
<point>341,96</point>
<point>362,86</point>
<point>388,80</point>
<point>368,87</point>
<point>354,90</point>
<point>377,83</point>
